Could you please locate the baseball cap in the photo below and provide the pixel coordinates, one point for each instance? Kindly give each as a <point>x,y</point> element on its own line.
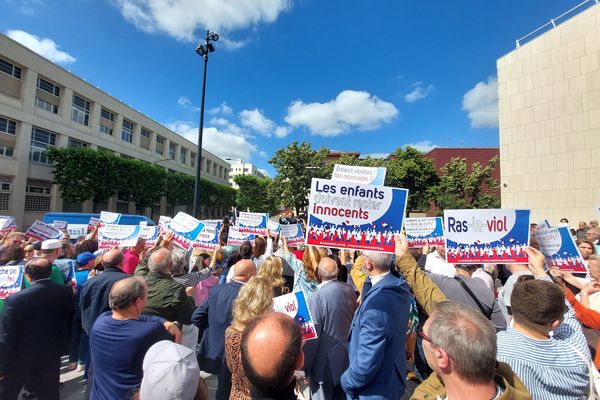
<point>85,258</point>
<point>171,372</point>
<point>51,244</point>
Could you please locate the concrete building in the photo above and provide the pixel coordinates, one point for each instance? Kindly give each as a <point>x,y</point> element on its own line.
<point>241,167</point>
<point>549,109</point>
<point>43,105</point>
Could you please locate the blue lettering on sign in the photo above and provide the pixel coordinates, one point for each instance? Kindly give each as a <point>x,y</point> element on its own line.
<point>493,225</point>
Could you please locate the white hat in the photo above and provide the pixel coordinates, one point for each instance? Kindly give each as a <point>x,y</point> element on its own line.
<point>171,372</point>
<point>51,244</point>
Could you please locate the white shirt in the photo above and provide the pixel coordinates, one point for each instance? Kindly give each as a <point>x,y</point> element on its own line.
<point>376,279</point>
<point>437,265</point>
<point>320,285</point>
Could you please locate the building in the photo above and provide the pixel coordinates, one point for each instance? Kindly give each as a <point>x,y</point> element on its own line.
<point>441,156</point>
<point>240,167</point>
<point>549,109</point>
<point>43,105</point>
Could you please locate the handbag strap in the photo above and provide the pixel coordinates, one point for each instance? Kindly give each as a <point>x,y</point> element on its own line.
<point>487,313</point>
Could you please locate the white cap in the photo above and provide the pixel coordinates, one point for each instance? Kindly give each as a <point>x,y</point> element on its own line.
<point>171,372</point>
<point>51,244</point>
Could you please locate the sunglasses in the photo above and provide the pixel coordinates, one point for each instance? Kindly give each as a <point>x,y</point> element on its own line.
<point>423,336</point>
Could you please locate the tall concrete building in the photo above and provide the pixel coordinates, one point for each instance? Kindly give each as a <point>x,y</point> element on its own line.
<point>43,105</point>
<point>549,108</point>
<point>241,167</point>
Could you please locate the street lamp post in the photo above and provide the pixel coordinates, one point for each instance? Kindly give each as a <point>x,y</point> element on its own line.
<point>203,50</point>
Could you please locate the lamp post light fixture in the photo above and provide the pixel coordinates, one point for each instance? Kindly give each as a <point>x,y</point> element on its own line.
<point>203,51</point>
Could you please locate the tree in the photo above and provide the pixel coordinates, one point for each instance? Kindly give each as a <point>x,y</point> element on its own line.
<point>459,189</point>
<point>254,193</point>
<point>296,165</point>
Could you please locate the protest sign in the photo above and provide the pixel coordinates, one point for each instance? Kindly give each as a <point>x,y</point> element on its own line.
<point>42,231</point>
<point>273,227</point>
<point>492,236</point>
<point>208,239</point>
<point>62,225</point>
<point>163,222</point>
<point>7,224</point>
<point>424,231</point>
<point>560,250</point>
<point>362,175</point>
<point>249,222</point>
<point>111,235</point>
<point>109,217</point>
<point>11,278</point>
<point>295,306</point>
<point>293,234</point>
<point>351,216</point>
<point>149,234</point>
<point>93,222</point>
<point>236,237</point>
<point>185,230</point>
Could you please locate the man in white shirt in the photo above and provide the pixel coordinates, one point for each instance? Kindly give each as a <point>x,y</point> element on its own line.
<point>436,263</point>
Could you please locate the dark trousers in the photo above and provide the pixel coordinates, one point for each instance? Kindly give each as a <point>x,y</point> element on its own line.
<point>79,345</point>
<point>42,380</point>
<point>224,385</point>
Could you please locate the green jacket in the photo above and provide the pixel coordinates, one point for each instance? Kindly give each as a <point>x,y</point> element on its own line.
<point>425,290</point>
<point>513,388</point>
<point>167,299</point>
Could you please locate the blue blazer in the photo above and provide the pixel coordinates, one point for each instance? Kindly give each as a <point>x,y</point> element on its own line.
<point>377,342</point>
<point>213,317</point>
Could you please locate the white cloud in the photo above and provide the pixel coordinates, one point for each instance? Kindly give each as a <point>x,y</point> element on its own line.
<point>424,146</point>
<point>255,120</point>
<point>182,18</point>
<point>375,155</point>
<point>186,103</point>
<point>419,92</point>
<point>223,143</point>
<point>481,103</point>
<point>43,46</point>
<point>231,44</point>
<point>262,154</point>
<point>281,131</point>
<point>349,110</point>
<point>223,108</point>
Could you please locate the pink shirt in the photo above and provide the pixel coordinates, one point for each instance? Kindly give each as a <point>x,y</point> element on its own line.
<point>130,262</point>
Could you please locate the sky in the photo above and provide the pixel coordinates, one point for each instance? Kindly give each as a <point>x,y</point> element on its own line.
<point>365,76</point>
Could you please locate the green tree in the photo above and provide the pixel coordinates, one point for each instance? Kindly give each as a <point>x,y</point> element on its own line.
<point>460,189</point>
<point>296,165</point>
<point>255,194</point>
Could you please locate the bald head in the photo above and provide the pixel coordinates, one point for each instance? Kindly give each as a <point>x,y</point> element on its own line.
<point>244,270</point>
<point>328,269</point>
<point>126,292</point>
<point>160,261</point>
<point>113,258</point>
<point>271,352</point>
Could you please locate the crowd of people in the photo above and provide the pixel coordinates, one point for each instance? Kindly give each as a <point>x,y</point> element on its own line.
<point>144,322</point>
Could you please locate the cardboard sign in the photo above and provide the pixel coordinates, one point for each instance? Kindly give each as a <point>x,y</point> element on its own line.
<point>7,224</point>
<point>559,248</point>
<point>208,239</point>
<point>296,306</point>
<point>62,225</point>
<point>42,231</point>
<point>424,231</point>
<point>361,175</point>
<point>350,216</point>
<point>274,227</point>
<point>111,235</point>
<point>249,222</point>
<point>186,229</point>
<point>491,236</point>
<point>293,234</point>
<point>236,237</point>
<point>11,278</point>
<point>149,234</point>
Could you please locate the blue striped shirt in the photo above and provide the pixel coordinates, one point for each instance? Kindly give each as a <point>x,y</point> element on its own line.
<point>549,368</point>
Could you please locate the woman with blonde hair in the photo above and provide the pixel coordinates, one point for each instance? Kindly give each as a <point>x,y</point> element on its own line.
<point>255,298</point>
<point>272,270</point>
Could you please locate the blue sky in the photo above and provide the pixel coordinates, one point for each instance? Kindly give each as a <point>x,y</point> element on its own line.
<point>355,75</point>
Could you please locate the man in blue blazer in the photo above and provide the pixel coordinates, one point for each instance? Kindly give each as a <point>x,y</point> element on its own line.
<point>212,318</point>
<point>377,337</point>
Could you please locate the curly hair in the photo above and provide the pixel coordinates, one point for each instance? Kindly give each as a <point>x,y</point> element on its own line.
<point>255,298</point>
<point>272,270</point>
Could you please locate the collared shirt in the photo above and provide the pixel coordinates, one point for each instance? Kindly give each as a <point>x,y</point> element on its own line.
<point>376,279</point>
<point>437,265</point>
<point>320,285</point>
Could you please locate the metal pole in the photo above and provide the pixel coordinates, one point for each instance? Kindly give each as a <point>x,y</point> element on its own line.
<point>196,210</point>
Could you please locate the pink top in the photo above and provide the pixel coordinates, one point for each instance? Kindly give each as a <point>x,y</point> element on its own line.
<point>203,289</point>
<point>130,262</point>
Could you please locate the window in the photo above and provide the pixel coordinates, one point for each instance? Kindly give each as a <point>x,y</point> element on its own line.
<point>48,87</point>
<point>8,126</point>
<point>37,198</point>
<point>77,143</point>
<point>6,151</point>
<point>4,192</point>
<point>104,113</point>
<point>40,141</point>
<point>105,129</point>
<point>80,112</point>
<point>10,69</point>
<point>160,145</point>
<point>127,134</point>
<point>172,150</point>
<point>72,206</point>
<point>182,155</point>
<point>208,162</point>
<point>193,159</point>
<point>44,105</point>
<point>145,139</point>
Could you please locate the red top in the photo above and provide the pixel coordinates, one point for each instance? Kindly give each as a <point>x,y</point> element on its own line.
<point>130,262</point>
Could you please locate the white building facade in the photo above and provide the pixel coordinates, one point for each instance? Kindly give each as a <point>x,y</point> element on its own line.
<point>240,167</point>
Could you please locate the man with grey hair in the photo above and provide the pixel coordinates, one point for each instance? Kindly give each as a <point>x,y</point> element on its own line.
<point>120,339</point>
<point>460,347</point>
<point>377,337</point>
<point>326,358</point>
<point>166,298</point>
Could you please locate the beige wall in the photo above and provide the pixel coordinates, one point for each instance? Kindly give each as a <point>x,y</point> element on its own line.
<point>549,107</point>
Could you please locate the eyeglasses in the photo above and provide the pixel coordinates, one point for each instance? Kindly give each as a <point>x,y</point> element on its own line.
<point>423,336</point>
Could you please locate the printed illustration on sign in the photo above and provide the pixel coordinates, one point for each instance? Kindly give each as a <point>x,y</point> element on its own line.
<point>149,234</point>
<point>560,250</point>
<point>350,216</point>
<point>293,234</point>
<point>107,217</point>
<point>62,225</point>
<point>236,237</point>
<point>111,235</point>
<point>185,230</point>
<point>296,306</point>
<point>250,222</point>
<point>493,236</point>
<point>42,231</point>
<point>7,224</point>
<point>424,231</point>
<point>274,227</point>
<point>208,239</point>
<point>11,278</point>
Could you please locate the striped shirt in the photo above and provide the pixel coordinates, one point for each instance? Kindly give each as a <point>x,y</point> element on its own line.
<point>192,279</point>
<point>549,368</point>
